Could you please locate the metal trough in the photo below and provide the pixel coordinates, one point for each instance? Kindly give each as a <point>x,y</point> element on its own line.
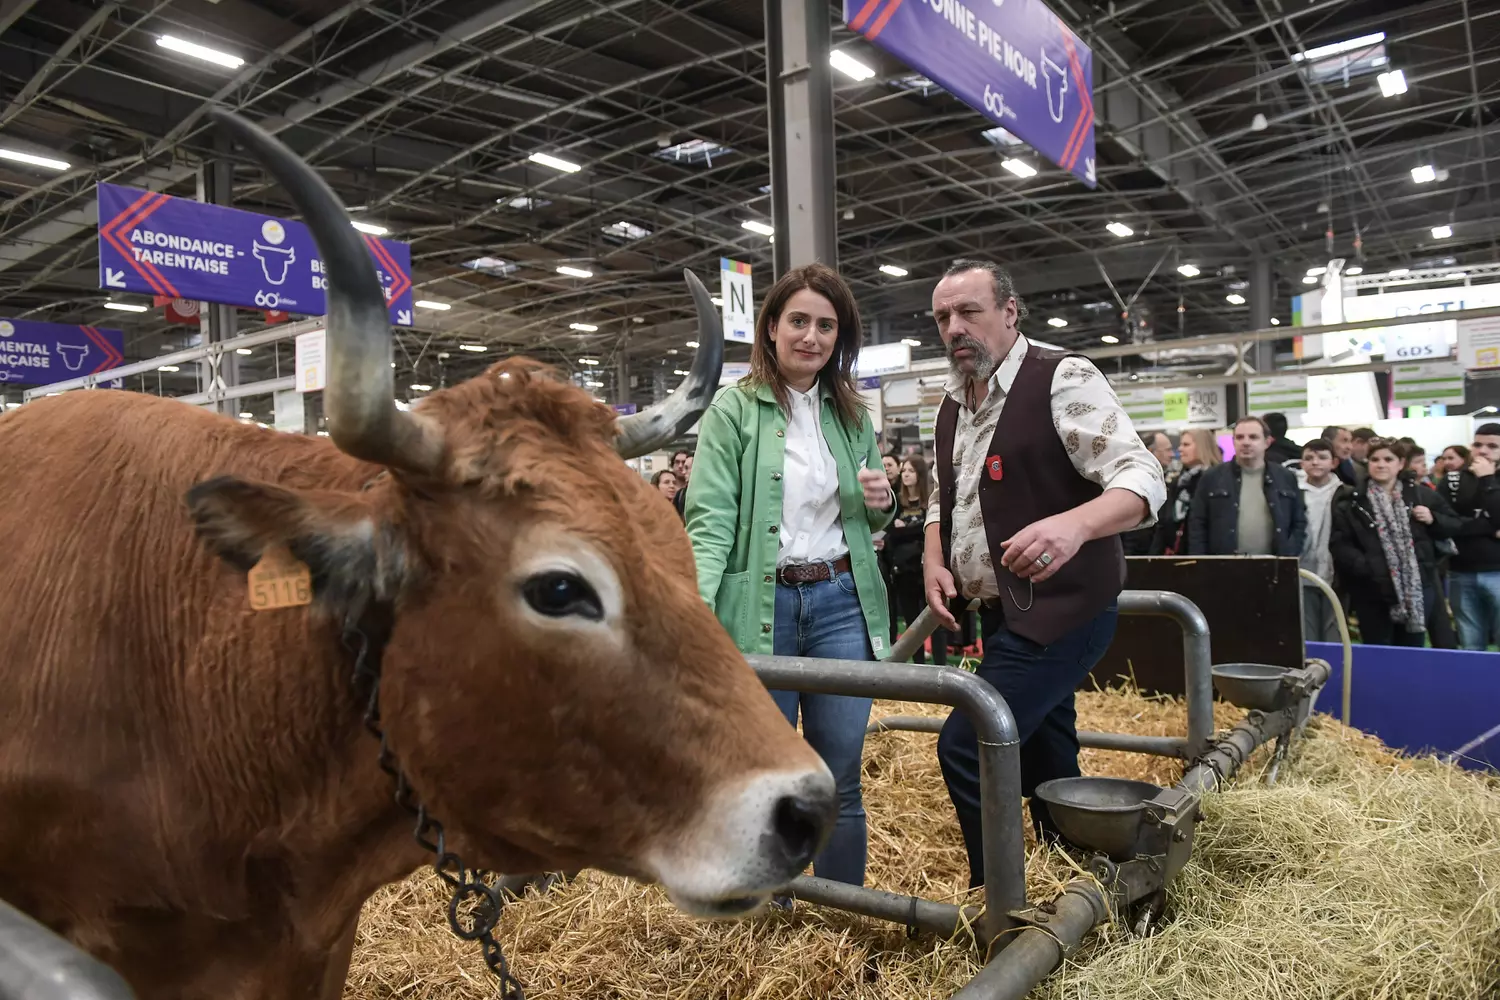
<point>1254,686</point>
<point>1099,814</point>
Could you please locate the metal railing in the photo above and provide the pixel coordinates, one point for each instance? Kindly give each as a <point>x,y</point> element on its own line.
<point>1197,668</point>
<point>36,964</point>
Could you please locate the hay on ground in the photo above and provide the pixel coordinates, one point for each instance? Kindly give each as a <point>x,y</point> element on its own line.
<point>1359,875</point>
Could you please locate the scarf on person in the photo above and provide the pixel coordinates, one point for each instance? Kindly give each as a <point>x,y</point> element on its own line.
<point>1393,525</point>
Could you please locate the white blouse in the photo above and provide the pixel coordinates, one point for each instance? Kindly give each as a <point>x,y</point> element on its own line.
<point>811,525</point>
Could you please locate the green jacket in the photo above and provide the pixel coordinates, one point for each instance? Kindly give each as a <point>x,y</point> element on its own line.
<point>733,512</point>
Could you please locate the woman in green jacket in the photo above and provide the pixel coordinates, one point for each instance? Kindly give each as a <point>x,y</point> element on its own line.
<point>787,489</point>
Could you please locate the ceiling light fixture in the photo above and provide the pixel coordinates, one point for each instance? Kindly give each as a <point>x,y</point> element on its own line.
<point>1188,270</point>
<point>242,350</point>
<point>1313,272</point>
<point>574,272</point>
<point>679,371</point>
<point>1120,229</point>
<point>585,327</point>
<point>200,52</point>
<point>849,66</point>
<point>1423,174</point>
<point>1057,322</point>
<point>692,343</point>
<point>1235,299</point>
<point>1392,84</point>
<point>911,342</point>
<point>169,368</point>
<point>588,361</point>
<point>756,226</point>
<point>1352,271</point>
<point>594,385</point>
<point>370,227</point>
<point>430,304</point>
<point>894,270</point>
<point>1309,279</point>
<point>420,388</point>
<point>1397,272</point>
<point>1020,168</point>
<point>33,159</point>
<point>125,307</point>
<point>476,348</point>
<point>555,162</point>
<point>1275,321</point>
<point>1441,232</point>
<point>1110,338</point>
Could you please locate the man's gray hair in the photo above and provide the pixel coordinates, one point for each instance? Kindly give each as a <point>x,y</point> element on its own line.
<point>1005,286</point>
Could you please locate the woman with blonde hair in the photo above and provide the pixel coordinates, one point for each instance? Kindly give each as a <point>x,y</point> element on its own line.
<point>788,487</point>
<point>1197,450</point>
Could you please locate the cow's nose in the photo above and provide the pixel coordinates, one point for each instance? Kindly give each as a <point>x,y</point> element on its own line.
<point>803,822</point>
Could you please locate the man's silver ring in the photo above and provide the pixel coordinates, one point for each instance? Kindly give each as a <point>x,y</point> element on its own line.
<point>1045,559</point>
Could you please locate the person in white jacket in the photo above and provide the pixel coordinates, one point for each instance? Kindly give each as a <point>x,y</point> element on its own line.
<point>1319,485</point>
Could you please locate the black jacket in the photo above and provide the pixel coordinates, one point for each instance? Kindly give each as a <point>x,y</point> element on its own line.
<point>1214,517</point>
<point>1283,450</point>
<point>1477,502</point>
<point>903,545</point>
<point>1166,540</point>
<point>1354,542</point>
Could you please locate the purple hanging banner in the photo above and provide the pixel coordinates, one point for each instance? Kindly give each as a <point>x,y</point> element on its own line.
<point>1014,61</point>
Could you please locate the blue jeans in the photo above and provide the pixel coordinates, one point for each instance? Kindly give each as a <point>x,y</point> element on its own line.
<point>1476,607</point>
<point>1038,683</point>
<point>824,619</point>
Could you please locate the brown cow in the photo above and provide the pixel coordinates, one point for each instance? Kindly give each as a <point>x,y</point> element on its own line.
<point>187,789</point>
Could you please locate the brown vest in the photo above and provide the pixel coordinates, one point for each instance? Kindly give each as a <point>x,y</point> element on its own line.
<point>1037,480</point>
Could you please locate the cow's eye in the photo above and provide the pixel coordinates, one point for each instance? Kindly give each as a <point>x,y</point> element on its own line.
<point>557,594</point>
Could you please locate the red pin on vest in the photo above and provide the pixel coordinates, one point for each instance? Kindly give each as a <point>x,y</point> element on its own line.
<point>996,470</point>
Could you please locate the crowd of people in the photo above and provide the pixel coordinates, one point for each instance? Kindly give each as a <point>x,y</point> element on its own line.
<point>808,541</point>
<point>1412,552</point>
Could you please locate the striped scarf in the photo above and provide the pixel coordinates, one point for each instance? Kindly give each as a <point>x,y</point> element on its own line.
<point>1393,525</point>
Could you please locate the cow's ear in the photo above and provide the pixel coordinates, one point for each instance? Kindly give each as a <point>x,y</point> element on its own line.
<point>352,554</point>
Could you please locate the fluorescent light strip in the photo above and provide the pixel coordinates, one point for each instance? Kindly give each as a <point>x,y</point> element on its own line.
<point>126,307</point>
<point>893,270</point>
<point>574,272</point>
<point>476,348</point>
<point>555,162</point>
<point>33,159</point>
<point>1337,48</point>
<point>756,226</point>
<point>200,52</point>
<point>849,66</point>
<point>585,327</point>
<point>1120,229</point>
<point>430,304</point>
<point>1019,167</point>
<point>370,227</point>
<point>1188,270</point>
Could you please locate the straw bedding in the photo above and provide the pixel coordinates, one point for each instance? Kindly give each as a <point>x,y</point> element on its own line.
<point>1359,875</point>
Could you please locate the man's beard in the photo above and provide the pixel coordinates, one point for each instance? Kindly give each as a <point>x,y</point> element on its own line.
<point>983,361</point>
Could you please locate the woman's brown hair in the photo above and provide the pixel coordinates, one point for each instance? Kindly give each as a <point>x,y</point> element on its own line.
<point>924,486</point>
<point>838,372</point>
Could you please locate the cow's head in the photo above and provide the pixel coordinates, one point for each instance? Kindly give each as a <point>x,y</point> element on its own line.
<point>553,685</point>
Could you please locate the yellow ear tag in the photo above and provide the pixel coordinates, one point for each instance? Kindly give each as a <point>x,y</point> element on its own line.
<point>279,581</point>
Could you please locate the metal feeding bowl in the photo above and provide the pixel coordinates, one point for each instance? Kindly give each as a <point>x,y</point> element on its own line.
<point>1098,814</point>
<point>1251,686</point>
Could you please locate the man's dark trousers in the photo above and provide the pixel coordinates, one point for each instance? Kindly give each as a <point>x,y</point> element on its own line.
<point>1037,683</point>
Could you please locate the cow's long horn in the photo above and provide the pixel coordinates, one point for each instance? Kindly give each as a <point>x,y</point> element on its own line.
<point>359,398</point>
<point>663,423</point>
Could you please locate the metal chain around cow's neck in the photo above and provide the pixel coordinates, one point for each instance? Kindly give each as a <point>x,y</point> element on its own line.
<point>468,885</point>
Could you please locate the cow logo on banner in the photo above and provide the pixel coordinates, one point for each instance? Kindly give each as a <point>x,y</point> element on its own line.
<point>1027,71</point>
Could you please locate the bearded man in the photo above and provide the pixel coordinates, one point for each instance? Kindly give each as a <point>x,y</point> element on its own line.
<point>1039,470</point>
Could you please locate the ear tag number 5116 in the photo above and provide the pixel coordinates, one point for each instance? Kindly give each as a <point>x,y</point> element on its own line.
<point>279,581</point>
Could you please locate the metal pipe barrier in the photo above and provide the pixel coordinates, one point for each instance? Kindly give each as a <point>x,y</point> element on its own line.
<point>1197,669</point>
<point>1001,824</point>
<point>36,964</point>
<point>1343,624</point>
<point>1086,903</point>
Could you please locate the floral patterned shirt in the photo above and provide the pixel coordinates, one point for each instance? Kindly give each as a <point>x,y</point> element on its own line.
<point>1093,427</point>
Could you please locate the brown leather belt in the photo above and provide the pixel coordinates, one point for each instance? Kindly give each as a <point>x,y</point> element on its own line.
<point>795,573</point>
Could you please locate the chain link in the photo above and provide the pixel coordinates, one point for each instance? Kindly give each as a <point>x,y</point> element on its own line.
<point>474,908</point>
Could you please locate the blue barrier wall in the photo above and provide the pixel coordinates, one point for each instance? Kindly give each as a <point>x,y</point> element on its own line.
<point>1420,700</point>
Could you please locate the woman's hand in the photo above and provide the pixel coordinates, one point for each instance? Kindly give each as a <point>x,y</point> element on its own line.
<point>877,487</point>
<point>1422,514</point>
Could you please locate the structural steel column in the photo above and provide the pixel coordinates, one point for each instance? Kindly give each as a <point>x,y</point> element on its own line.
<point>217,322</point>
<point>1262,289</point>
<point>799,105</point>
